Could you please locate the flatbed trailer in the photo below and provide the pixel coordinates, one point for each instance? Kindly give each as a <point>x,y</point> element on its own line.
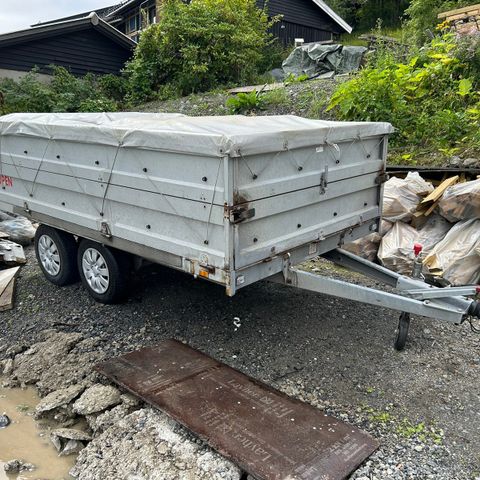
<point>232,200</point>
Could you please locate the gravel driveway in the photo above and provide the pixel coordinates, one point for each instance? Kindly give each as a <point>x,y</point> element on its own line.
<point>422,404</point>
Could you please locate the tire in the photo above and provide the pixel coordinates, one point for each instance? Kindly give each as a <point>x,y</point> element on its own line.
<point>103,271</point>
<point>56,253</point>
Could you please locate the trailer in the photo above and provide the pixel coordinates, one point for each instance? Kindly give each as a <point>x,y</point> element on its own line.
<point>232,200</point>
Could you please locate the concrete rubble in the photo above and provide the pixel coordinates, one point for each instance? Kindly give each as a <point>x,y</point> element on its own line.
<point>152,446</point>
<point>149,444</point>
<point>97,399</point>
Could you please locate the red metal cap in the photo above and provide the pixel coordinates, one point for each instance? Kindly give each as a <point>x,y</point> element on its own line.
<point>417,249</point>
<point>477,289</point>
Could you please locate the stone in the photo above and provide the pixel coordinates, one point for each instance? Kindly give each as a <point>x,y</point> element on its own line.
<point>58,398</point>
<point>71,447</point>
<point>100,422</point>
<point>455,161</point>
<point>151,445</point>
<point>96,399</point>
<point>4,421</point>
<point>70,434</point>
<point>17,466</point>
<point>34,362</point>
<point>15,349</point>
<point>471,162</point>
<point>68,440</point>
<point>7,367</point>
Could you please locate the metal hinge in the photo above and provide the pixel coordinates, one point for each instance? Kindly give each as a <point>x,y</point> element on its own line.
<point>240,214</point>
<point>382,178</point>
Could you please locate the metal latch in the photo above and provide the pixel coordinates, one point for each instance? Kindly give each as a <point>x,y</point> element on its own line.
<point>324,181</point>
<point>105,230</point>
<point>240,214</point>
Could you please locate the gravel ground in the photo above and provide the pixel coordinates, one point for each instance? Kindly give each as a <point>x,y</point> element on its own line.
<point>422,404</point>
<point>306,99</point>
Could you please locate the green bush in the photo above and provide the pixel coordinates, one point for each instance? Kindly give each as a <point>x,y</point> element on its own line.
<point>199,46</point>
<point>64,93</point>
<point>432,98</point>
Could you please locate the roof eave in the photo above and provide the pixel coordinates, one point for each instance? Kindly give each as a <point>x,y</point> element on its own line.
<point>334,16</point>
<point>92,19</point>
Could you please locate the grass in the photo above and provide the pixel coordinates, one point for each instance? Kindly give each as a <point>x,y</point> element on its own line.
<point>355,40</point>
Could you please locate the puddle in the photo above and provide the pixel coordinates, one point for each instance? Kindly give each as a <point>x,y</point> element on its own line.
<point>28,440</point>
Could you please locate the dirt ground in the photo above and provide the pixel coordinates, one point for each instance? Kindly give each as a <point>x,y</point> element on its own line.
<point>423,404</point>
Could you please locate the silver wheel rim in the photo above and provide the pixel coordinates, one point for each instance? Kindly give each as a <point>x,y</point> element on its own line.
<point>49,256</point>
<point>95,270</point>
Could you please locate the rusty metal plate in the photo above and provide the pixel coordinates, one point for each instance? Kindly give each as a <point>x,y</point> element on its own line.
<point>266,433</point>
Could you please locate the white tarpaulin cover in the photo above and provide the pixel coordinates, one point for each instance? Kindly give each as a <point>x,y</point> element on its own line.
<point>212,136</point>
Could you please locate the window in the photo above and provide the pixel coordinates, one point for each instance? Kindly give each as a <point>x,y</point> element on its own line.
<point>132,24</point>
<point>152,15</point>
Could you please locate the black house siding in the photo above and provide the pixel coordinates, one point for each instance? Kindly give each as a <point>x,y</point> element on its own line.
<point>80,52</point>
<point>300,19</point>
<point>287,32</point>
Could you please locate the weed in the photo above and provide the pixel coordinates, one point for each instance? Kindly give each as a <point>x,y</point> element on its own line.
<point>245,102</point>
<point>276,97</point>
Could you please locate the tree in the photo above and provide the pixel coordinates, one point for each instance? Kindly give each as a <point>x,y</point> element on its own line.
<point>364,14</point>
<point>199,46</point>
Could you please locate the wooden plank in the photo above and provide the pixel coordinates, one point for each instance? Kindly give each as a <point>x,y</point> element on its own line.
<point>7,287</point>
<point>257,88</point>
<point>439,191</point>
<point>458,10</point>
<point>430,210</point>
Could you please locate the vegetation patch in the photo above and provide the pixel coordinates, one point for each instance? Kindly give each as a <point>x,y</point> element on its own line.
<point>431,96</point>
<point>198,46</point>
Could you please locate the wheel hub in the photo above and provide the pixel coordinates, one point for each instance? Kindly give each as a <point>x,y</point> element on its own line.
<point>95,270</point>
<point>49,255</point>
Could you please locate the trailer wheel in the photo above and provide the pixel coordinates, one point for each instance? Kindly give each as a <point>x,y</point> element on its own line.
<point>104,272</point>
<point>56,253</point>
<point>402,331</point>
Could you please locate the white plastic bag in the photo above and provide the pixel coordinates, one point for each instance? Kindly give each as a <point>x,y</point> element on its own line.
<point>461,201</point>
<point>417,184</point>
<point>20,230</point>
<point>396,248</point>
<point>401,196</point>
<point>457,257</point>
<point>399,201</point>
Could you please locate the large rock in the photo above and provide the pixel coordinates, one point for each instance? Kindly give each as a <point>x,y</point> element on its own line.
<point>40,357</point>
<point>148,444</point>
<point>62,359</point>
<point>58,398</point>
<point>96,399</point>
<point>18,466</point>
<point>99,422</point>
<point>69,440</point>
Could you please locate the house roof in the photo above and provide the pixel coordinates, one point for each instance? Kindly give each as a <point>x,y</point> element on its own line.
<point>320,4</point>
<point>334,16</point>
<point>91,20</point>
<point>101,12</point>
<point>122,6</point>
<point>109,13</point>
